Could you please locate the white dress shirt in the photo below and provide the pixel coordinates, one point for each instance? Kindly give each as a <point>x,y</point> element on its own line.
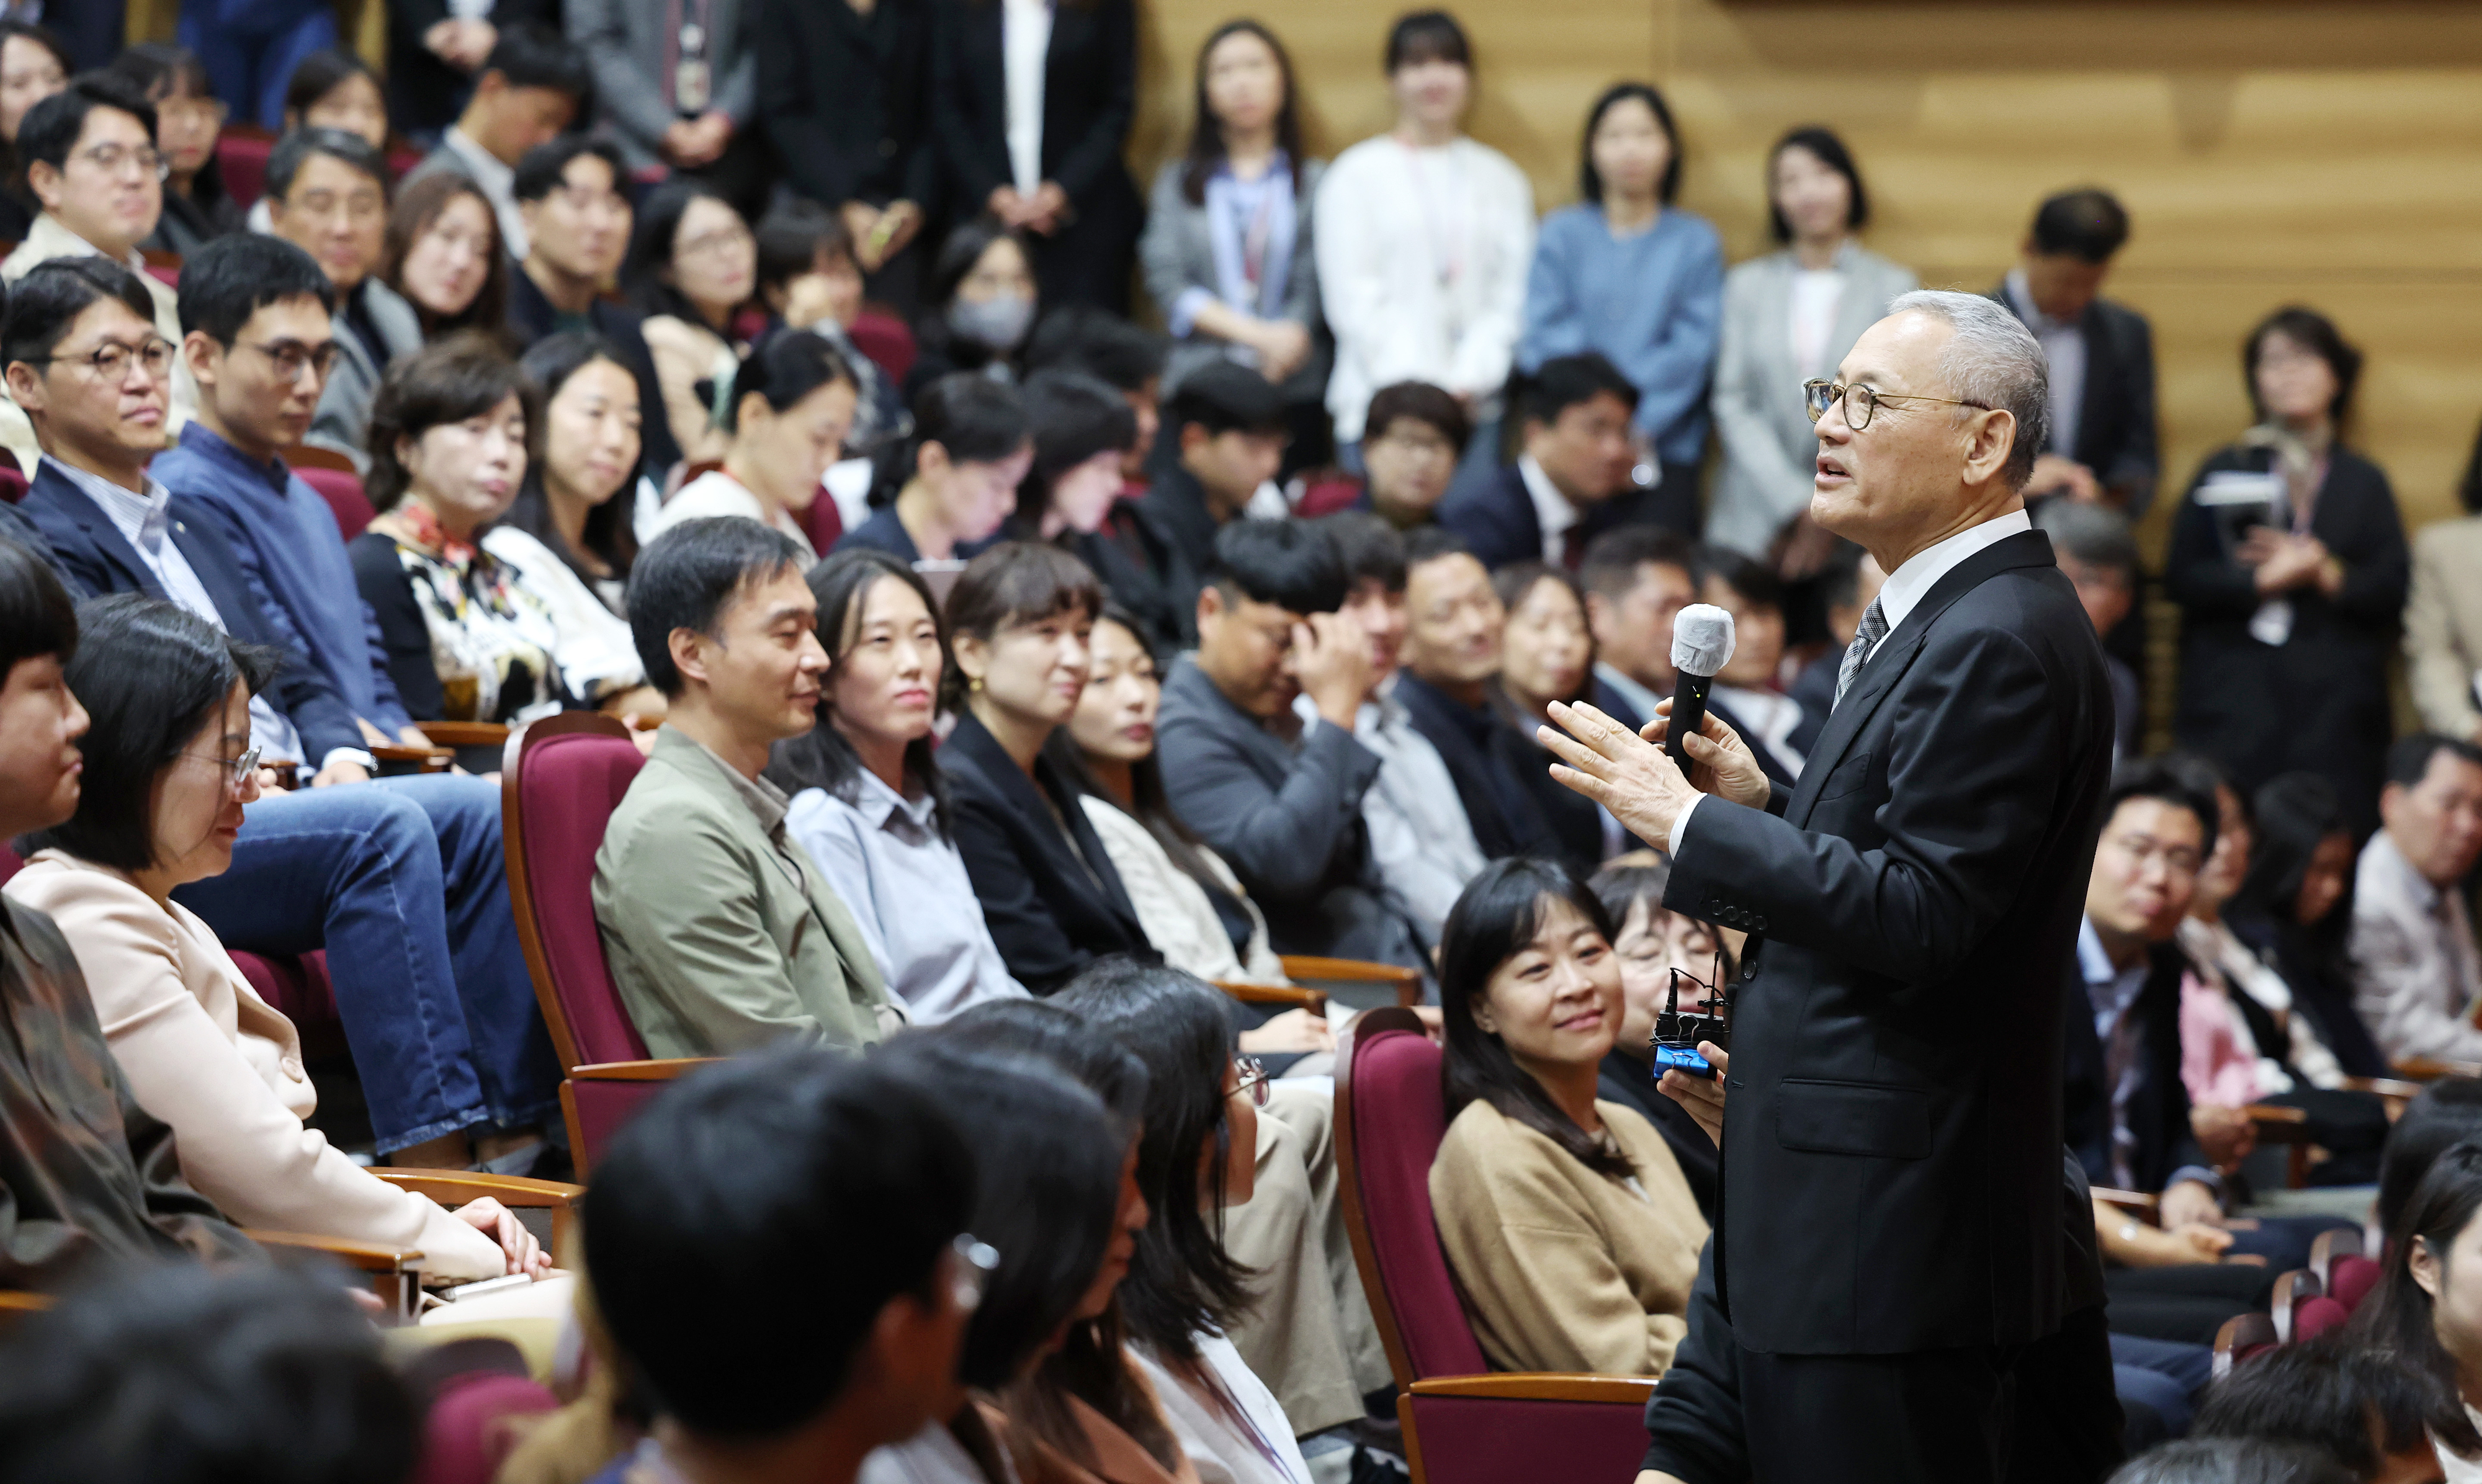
<point>145,522</point>
<point>1553,511</point>
<point>1025,45</point>
<point>1907,585</point>
<point>2064,346</point>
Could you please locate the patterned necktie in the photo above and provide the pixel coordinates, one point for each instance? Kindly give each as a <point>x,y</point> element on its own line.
<point>1872,629</point>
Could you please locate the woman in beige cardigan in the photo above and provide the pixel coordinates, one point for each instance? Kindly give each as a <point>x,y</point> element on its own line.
<point>1571,1233</point>
<point>169,769</point>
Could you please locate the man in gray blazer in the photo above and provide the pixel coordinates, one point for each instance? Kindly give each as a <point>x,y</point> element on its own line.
<point>676,82</point>
<point>720,933</point>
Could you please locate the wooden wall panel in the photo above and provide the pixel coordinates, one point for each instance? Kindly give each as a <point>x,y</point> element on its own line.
<point>2323,151</point>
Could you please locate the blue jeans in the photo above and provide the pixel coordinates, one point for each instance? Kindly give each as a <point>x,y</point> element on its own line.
<point>401,880</point>
<point>2163,1376</point>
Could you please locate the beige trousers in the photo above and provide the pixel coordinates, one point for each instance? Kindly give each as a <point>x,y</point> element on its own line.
<point>1309,1333</point>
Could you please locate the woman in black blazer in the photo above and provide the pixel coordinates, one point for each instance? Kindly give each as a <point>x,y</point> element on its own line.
<point>2289,612</point>
<point>1019,617</point>
<point>1081,208</point>
<point>842,95</point>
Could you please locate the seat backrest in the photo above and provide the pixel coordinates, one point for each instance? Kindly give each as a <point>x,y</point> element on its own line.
<point>884,339</point>
<point>342,489</point>
<point>240,162</point>
<point>561,781</point>
<point>2355,1276</point>
<point>1390,1116</point>
<point>2316,1317</point>
<point>12,486</point>
<point>10,862</point>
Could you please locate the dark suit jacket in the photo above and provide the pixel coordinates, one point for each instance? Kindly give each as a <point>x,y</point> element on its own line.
<point>1052,909</point>
<point>530,315</point>
<point>2159,1110</point>
<point>1892,1176</point>
<point>424,93</point>
<point>1486,759</point>
<point>91,31</point>
<point>1288,822</point>
<point>1147,573</point>
<point>98,560</point>
<point>849,121</point>
<point>1089,94</point>
<point>2328,681</point>
<point>2116,435</point>
<point>1495,517</point>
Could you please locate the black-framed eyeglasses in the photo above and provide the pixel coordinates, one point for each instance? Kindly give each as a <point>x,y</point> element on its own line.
<point>1860,401</point>
<point>1250,1076</point>
<point>110,361</point>
<point>291,358</point>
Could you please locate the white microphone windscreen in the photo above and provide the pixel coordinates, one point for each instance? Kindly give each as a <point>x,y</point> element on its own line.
<point>1702,639</point>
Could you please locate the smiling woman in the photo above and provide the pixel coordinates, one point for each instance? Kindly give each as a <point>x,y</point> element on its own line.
<point>1572,1232</point>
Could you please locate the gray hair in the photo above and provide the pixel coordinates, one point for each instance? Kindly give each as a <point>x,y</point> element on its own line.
<point>1994,361</point>
<point>2232,1461</point>
<point>2097,535</point>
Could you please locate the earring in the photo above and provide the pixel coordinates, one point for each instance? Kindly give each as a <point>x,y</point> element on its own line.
<point>973,682</point>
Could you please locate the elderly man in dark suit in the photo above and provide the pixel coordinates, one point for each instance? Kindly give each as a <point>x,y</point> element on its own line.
<point>2101,444</point>
<point>1889,1240</point>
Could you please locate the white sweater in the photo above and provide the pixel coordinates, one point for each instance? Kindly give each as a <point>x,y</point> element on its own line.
<point>1422,256</point>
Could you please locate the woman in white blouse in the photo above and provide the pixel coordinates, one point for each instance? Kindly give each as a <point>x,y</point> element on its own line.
<point>1424,238</point>
<point>566,537</point>
<point>791,406</point>
<point>163,802</point>
<point>1790,316</point>
<point>869,805</point>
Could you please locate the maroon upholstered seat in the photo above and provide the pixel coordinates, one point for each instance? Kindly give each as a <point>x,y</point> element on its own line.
<point>466,1434</point>
<point>884,339</point>
<point>1462,1424</point>
<point>2355,1276</point>
<point>342,489</point>
<point>12,486</point>
<point>560,782</point>
<point>240,162</point>
<point>2316,1317</point>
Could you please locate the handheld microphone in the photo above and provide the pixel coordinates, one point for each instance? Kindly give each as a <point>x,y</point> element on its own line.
<point>1702,644</point>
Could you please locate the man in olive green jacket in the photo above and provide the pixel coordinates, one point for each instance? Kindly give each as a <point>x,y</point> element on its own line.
<point>720,934</point>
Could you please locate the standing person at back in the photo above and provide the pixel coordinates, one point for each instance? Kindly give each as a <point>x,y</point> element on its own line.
<point>720,933</point>
<point>677,87</point>
<point>1790,316</point>
<point>1626,274</point>
<point>2101,445</point>
<point>1424,236</point>
<point>1890,1243</point>
<point>1277,797</point>
<point>531,88</point>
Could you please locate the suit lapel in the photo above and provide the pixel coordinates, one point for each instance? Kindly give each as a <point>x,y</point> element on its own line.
<point>1896,653</point>
<point>102,535</point>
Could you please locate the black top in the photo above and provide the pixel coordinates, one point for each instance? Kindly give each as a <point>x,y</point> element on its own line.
<point>1052,897</point>
<point>1891,1171</point>
<point>844,96</point>
<point>2327,682</point>
<point>1487,761</point>
<point>2321,989</point>
<point>1147,573</point>
<point>2116,433</point>
<point>1089,94</point>
<point>424,93</point>
<point>1496,516</point>
<point>883,531</point>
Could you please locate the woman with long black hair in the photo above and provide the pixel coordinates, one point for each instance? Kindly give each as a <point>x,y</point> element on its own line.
<point>2295,908</point>
<point>2427,1309</point>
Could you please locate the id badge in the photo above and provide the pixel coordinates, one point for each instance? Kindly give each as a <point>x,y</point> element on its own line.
<point>691,86</point>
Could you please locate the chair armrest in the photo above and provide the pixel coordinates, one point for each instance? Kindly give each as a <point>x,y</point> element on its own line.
<point>2394,1093</point>
<point>395,1272</point>
<point>664,1071</point>
<point>1308,969</point>
<point>17,1302</point>
<point>1541,1385</point>
<point>2241,1332</point>
<point>453,1189</point>
<point>430,759</point>
<point>2424,1069</point>
<point>2136,1202</point>
<point>453,734</point>
<point>2291,1290</point>
<point>1312,1000</point>
<point>2279,1125</point>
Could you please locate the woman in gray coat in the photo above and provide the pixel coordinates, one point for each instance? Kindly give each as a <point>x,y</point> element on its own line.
<point>1790,316</point>
<point>1228,243</point>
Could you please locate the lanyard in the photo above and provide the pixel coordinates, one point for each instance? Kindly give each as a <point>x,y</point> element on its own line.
<point>692,74</point>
